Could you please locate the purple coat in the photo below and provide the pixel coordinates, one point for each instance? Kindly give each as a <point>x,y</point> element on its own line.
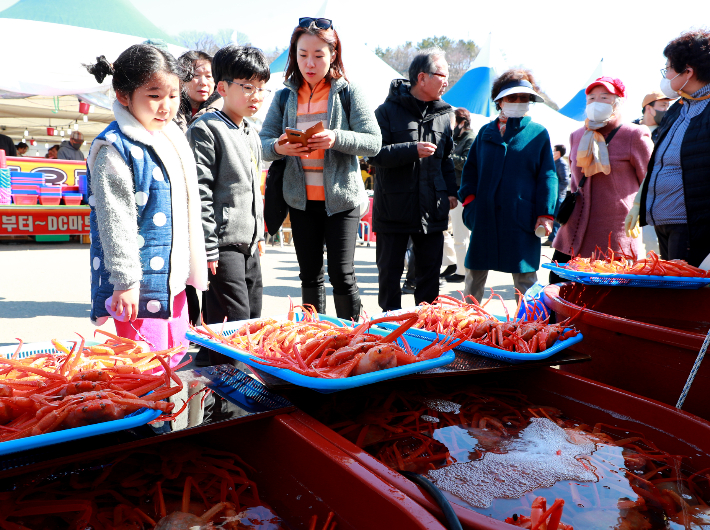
<point>605,200</point>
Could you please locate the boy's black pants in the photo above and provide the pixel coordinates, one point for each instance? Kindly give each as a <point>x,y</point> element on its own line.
<point>235,292</point>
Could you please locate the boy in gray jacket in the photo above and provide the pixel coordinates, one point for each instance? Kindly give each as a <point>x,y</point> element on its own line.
<point>228,155</point>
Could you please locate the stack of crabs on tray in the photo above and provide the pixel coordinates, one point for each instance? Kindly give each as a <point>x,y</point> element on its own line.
<point>47,392</point>
<point>321,348</point>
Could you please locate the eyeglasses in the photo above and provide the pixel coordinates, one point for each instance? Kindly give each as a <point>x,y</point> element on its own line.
<point>250,89</point>
<point>664,71</point>
<point>321,23</point>
<point>437,74</point>
<point>515,98</point>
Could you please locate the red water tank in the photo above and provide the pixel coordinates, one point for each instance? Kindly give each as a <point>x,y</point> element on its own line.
<point>642,340</point>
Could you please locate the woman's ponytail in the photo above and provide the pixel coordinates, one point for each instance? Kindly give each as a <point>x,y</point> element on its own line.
<point>101,69</point>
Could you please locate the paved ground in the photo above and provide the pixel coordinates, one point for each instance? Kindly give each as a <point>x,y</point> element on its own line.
<point>44,288</point>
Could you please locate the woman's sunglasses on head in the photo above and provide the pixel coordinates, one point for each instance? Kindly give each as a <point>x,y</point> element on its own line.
<point>321,23</point>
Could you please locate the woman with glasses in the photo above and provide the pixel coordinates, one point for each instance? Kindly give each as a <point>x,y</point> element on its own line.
<point>608,160</point>
<point>508,188</point>
<point>675,198</point>
<point>198,95</point>
<point>322,183</point>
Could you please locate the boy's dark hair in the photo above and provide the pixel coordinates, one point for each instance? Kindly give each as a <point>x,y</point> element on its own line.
<point>692,49</point>
<point>188,59</point>
<point>134,67</point>
<point>561,149</point>
<point>21,145</point>
<point>240,62</point>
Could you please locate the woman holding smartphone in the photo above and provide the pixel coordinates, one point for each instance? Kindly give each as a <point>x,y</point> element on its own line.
<point>322,183</point>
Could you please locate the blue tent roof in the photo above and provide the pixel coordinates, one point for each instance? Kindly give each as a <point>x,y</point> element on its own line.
<point>576,107</point>
<point>473,91</point>
<point>279,64</point>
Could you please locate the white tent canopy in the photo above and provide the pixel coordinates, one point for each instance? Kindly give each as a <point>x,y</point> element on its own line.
<point>558,126</point>
<point>44,72</point>
<point>362,65</point>
<point>45,87</point>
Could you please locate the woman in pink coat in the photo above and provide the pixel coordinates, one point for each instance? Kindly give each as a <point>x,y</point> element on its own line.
<point>614,158</point>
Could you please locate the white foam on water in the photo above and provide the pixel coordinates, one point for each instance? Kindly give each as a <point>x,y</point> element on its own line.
<point>430,419</point>
<point>442,405</point>
<point>540,457</point>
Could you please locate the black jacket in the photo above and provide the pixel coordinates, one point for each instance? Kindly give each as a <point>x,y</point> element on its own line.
<point>412,194</point>
<point>462,145</point>
<point>695,163</point>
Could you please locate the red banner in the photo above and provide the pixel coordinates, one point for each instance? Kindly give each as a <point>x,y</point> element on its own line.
<point>44,220</point>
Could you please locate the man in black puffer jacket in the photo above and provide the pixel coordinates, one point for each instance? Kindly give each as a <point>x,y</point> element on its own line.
<point>416,184</point>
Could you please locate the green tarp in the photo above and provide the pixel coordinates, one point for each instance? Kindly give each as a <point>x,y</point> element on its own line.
<point>117,16</point>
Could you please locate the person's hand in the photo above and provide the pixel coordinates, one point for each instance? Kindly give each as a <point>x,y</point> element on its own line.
<point>453,202</point>
<point>144,346</point>
<point>322,140</point>
<point>425,149</point>
<point>212,266</point>
<point>289,149</point>
<point>545,222</point>
<point>126,302</point>
<point>631,223</point>
<point>261,248</point>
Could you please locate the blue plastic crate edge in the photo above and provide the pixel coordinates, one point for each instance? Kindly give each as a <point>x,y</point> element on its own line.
<point>136,419</point>
<point>489,351</point>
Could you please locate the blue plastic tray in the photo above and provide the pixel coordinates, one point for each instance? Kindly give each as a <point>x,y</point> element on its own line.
<point>317,383</point>
<point>481,349</point>
<point>138,418</point>
<point>628,280</point>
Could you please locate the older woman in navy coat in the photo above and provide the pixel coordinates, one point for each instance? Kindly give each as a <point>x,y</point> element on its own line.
<point>508,188</point>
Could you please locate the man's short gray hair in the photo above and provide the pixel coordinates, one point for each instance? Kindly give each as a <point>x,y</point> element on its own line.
<point>424,62</point>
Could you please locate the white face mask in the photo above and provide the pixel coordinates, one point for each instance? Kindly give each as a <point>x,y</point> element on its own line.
<point>515,110</point>
<point>598,111</point>
<point>668,91</point>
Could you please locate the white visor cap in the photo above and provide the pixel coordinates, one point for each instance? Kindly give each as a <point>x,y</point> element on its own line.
<point>519,87</point>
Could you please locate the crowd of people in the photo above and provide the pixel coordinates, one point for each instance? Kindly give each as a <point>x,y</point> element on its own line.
<point>177,207</point>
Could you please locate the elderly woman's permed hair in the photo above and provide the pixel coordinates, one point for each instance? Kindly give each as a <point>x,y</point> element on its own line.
<point>514,74</point>
<point>691,49</point>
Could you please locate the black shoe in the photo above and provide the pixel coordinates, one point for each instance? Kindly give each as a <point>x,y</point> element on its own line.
<point>314,296</point>
<point>547,243</point>
<point>348,306</point>
<point>408,287</point>
<point>447,271</point>
<point>455,278</point>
